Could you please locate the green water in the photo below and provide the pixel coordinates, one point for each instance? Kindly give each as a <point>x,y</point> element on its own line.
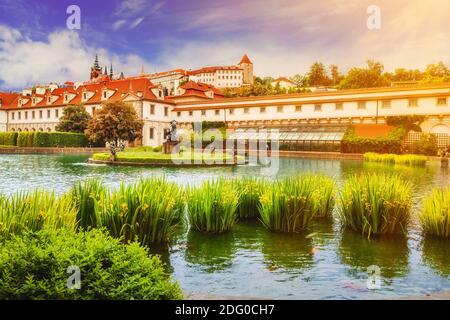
<point>252,262</point>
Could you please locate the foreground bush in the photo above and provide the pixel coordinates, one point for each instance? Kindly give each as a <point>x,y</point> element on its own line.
<point>25,139</point>
<point>32,211</point>
<point>59,139</point>
<point>375,204</point>
<point>435,214</point>
<point>212,206</point>
<point>8,138</point>
<point>249,191</point>
<point>406,159</point>
<point>146,211</point>
<point>35,266</point>
<point>288,205</point>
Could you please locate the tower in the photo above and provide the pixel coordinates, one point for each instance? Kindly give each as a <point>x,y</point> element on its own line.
<point>111,74</point>
<point>96,70</point>
<point>247,67</point>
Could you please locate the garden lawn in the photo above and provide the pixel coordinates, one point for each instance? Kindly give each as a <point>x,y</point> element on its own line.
<point>158,157</point>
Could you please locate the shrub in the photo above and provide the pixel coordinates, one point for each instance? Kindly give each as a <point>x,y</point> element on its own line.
<point>25,139</point>
<point>8,138</point>
<point>157,149</point>
<point>406,159</point>
<point>427,145</point>
<point>35,210</point>
<point>212,206</point>
<point>60,139</point>
<point>435,214</point>
<point>146,211</point>
<point>86,196</point>
<point>249,191</point>
<point>288,205</point>
<point>375,204</point>
<point>35,266</point>
<point>392,143</point>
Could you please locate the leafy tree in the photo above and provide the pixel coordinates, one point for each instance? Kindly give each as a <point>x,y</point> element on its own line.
<point>369,77</point>
<point>336,76</point>
<point>436,73</point>
<point>75,118</point>
<point>115,123</point>
<point>318,75</point>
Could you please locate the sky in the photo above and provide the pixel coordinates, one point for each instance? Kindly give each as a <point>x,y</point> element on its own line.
<point>281,37</point>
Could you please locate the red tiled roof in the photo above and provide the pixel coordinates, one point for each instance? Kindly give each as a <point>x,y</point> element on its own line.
<point>213,69</point>
<point>245,59</point>
<point>199,89</point>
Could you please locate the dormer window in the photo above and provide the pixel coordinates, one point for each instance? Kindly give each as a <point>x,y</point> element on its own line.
<point>34,100</point>
<point>84,96</point>
<point>104,94</point>
<point>66,98</point>
<point>49,99</point>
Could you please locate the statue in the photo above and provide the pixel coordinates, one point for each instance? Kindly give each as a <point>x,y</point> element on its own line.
<point>172,138</point>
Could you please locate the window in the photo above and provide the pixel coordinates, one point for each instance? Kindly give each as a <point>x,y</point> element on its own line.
<point>26,114</point>
<point>298,108</point>
<point>12,115</point>
<point>203,112</point>
<point>339,106</point>
<point>386,104</point>
<point>93,110</point>
<point>317,107</point>
<point>246,110</point>
<point>178,114</point>
<point>280,109</point>
<point>217,112</point>
<point>49,99</point>
<point>361,104</point>
<point>104,94</point>
<point>231,111</point>
<point>56,113</point>
<point>66,97</point>
<point>262,109</point>
<point>166,111</point>
<point>190,113</point>
<point>19,115</point>
<point>84,96</point>
<point>152,133</point>
<point>412,103</point>
<point>40,114</point>
<point>48,114</point>
<point>33,114</point>
<point>442,101</point>
<point>152,109</point>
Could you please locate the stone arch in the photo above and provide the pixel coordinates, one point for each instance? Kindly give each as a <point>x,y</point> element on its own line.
<point>49,129</point>
<point>26,129</point>
<point>41,129</point>
<point>33,129</point>
<point>19,130</point>
<point>13,129</point>
<point>440,128</point>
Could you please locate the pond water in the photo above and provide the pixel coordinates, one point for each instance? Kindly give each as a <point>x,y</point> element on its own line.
<point>322,263</point>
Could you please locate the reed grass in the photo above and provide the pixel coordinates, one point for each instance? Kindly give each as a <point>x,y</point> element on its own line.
<point>288,205</point>
<point>212,206</point>
<point>324,197</point>
<point>405,159</point>
<point>375,204</point>
<point>435,213</point>
<point>36,210</point>
<point>249,191</point>
<point>86,195</point>
<point>145,211</point>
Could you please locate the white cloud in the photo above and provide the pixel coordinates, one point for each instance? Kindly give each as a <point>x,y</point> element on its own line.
<point>134,12</point>
<point>63,56</point>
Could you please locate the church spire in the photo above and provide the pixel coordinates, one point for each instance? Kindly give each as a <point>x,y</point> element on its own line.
<point>111,71</point>
<point>142,70</point>
<point>96,65</point>
<point>106,71</point>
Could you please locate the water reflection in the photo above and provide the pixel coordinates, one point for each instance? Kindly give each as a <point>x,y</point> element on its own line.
<point>390,253</point>
<point>436,254</point>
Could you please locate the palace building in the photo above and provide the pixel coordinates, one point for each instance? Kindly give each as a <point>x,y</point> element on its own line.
<point>318,116</point>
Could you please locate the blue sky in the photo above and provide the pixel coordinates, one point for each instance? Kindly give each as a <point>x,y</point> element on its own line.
<point>282,37</point>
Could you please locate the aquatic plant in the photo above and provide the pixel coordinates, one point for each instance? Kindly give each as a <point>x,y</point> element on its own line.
<point>249,190</point>
<point>375,204</point>
<point>212,206</point>
<point>435,213</point>
<point>405,159</point>
<point>288,205</point>
<point>324,197</point>
<point>145,211</point>
<point>36,210</point>
<point>86,196</point>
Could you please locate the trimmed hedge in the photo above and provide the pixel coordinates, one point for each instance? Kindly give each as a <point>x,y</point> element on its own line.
<point>8,138</point>
<point>60,139</point>
<point>392,143</point>
<point>25,139</point>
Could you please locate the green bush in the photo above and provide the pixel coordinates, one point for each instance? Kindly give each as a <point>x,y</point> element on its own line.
<point>25,139</point>
<point>35,266</point>
<point>249,191</point>
<point>392,143</point>
<point>157,149</point>
<point>60,139</point>
<point>426,145</point>
<point>404,159</point>
<point>8,138</point>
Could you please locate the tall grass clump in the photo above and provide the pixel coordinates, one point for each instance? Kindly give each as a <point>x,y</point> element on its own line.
<point>375,204</point>
<point>212,206</point>
<point>86,196</point>
<point>324,197</point>
<point>146,211</point>
<point>405,159</point>
<point>249,191</point>
<point>435,214</point>
<point>33,211</point>
<point>288,205</point>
